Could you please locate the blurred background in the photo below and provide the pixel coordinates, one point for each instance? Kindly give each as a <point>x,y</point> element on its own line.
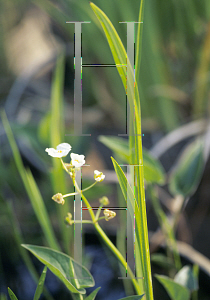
<point>37,94</point>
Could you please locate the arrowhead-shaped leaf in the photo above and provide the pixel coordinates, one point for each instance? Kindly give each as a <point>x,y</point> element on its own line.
<point>175,290</point>
<point>186,278</point>
<point>153,170</point>
<point>72,274</point>
<point>186,176</point>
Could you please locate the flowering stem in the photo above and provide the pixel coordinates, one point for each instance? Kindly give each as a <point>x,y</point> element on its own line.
<point>101,218</point>
<point>108,242</point>
<point>118,255</point>
<point>83,221</point>
<point>64,165</point>
<point>86,202</point>
<point>89,187</point>
<point>98,212</point>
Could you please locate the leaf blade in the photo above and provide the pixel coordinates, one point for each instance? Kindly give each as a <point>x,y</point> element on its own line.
<point>40,285</point>
<point>60,265</point>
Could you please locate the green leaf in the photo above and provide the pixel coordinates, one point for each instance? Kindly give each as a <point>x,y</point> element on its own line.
<point>124,185</point>
<point>162,260</point>
<point>153,170</point>
<point>31,188</point>
<point>187,174</point>
<point>175,290</point>
<point>12,295</point>
<point>64,267</point>
<point>117,145</point>
<point>93,294</point>
<point>133,297</point>
<point>186,278</point>
<point>3,296</point>
<point>115,43</point>
<point>40,285</point>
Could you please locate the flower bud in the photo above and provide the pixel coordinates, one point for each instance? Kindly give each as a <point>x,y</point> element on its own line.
<point>109,214</point>
<point>68,219</point>
<point>104,201</point>
<point>58,198</point>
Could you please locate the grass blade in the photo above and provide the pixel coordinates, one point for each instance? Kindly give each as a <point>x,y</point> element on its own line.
<point>119,55</point>
<point>40,286</point>
<point>31,189</point>
<point>57,137</point>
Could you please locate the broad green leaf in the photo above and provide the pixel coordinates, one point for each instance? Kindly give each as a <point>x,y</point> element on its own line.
<point>162,260</point>
<point>175,290</point>
<point>187,174</point>
<point>117,145</point>
<point>12,295</point>
<point>40,285</point>
<point>186,278</point>
<point>64,267</point>
<point>132,297</point>
<point>92,295</point>
<point>153,171</point>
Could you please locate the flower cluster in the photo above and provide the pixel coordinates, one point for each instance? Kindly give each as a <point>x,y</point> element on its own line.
<point>76,162</point>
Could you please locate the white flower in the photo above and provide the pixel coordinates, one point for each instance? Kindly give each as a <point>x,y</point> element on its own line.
<point>77,160</point>
<point>60,151</point>
<point>98,176</point>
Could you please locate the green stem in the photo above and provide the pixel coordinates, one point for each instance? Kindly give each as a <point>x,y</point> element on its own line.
<point>83,222</point>
<point>166,227</point>
<point>98,212</point>
<point>108,242</point>
<point>119,256</point>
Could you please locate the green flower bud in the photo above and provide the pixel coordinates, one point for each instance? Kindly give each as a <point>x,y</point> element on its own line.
<point>68,219</point>
<point>104,201</point>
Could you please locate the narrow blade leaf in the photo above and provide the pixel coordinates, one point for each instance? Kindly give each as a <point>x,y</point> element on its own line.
<point>40,285</point>
<point>12,295</point>
<point>132,297</point>
<point>93,294</point>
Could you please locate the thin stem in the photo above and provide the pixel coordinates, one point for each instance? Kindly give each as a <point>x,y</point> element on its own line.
<point>71,194</point>
<point>165,226</point>
<point>101,218</point>
<point>83,222</point>
<point>98,212</point>
<point>108,242</point>
<point>64,165</point>
<point>118,255</point>
<point>86,202</point>
<point>89,187</point>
